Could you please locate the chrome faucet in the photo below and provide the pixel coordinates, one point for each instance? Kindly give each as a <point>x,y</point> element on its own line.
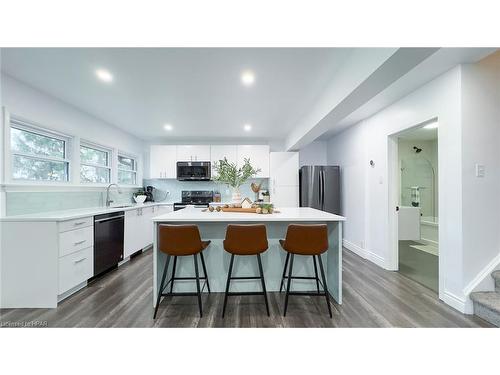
<point>109,201</point>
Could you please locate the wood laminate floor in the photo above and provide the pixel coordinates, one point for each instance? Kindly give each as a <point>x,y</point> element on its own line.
<point>373,297</point>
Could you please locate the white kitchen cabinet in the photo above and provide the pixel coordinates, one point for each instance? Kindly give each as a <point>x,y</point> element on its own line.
<point>284,178</point>
<point>219,152</point>
<point>75,268</point>
<point>258,155</point>
<point>163,161</point>
<point>139,228</point>
<point>193,153</point>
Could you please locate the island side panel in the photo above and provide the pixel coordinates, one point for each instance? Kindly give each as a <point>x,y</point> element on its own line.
<point>334,261</point>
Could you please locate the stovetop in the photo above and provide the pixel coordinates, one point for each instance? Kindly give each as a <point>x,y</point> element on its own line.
<point>196,197</point>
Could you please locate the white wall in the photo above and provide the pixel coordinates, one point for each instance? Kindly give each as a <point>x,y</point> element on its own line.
<point>33,105</point>
<point>481,144</point>
<point>365,189</point>
<point>314,153</point>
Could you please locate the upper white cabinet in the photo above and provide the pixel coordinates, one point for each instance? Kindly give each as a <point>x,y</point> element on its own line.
<point>193,153</point>
<point>258,155</point>
<point>284,168</point>
<point>219,152</point>
<point>163,161</point>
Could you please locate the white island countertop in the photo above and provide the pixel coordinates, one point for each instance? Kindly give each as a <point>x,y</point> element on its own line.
<point>288,214</point>
<point>79,212</point>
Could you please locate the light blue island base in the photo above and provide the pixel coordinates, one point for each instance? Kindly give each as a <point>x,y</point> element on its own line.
<point>273,260</point>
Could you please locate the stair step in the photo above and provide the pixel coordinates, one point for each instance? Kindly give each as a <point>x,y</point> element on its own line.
<point>496,276</point>
<point>487,306</point>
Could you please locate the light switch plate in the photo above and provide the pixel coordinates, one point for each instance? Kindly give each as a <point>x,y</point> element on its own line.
<point>480,170</point>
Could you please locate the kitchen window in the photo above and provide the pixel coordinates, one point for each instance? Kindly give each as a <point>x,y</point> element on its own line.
<point>38,155</point>
<point>95,164</point>
<point>127,170</point>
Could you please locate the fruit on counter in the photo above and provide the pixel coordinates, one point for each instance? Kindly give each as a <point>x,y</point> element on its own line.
<point>258,210</point>
<point>211,208</point>
<point>218,208</point>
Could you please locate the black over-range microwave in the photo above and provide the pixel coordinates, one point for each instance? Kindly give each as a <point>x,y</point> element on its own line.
<point>193,170</point>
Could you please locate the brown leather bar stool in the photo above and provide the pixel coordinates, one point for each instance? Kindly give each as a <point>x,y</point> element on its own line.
<point>245,239</point>
<point>181,240</point>
<point>309,240</point>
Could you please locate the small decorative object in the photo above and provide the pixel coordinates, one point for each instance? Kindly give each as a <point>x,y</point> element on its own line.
<point>266,197</point>
<point>139,196</point>
<point>229,174</point>
<point>267,208</point>
<point>211,208</point>
<point>217,197</point>
<point>258,210</point>
<point>218,208</point>
<point>246,203</point>
<point>256,188</point>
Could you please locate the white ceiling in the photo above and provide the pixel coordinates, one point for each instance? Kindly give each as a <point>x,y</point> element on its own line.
<point>197,90</point>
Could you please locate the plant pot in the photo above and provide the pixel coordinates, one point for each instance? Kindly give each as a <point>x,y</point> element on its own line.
<point>236,197</point>
<point>139,199</point>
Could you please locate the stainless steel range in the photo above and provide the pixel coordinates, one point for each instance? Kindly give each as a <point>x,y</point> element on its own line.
<point>198,198</point>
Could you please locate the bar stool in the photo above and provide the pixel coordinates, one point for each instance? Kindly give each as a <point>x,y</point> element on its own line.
<point>309,240</point>
<point>245,239</point>
<point>181,240</point>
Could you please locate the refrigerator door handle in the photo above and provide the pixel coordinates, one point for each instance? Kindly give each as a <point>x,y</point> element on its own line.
<point>321,189</point>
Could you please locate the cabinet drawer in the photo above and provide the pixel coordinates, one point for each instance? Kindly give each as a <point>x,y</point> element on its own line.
<point>76,223</point>
<point>74,240</point>
<point>75,268</point>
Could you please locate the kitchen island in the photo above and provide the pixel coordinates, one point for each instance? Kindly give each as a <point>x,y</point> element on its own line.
<point>212,227</point>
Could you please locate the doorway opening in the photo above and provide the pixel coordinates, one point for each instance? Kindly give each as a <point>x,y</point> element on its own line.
<point>417,209</point>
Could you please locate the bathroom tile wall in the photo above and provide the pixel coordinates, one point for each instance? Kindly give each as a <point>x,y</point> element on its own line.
<point>175,187</point>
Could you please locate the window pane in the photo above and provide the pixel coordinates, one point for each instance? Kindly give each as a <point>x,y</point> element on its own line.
<point>34,169</point>
<point>126,178</point>
<point>93,156</point>
<point>36,144</point>
<point>89,173</point>
<point>126,163</point>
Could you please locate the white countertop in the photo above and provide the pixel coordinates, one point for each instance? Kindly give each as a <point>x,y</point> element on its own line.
<point>79,212</point>
<point>296,214</point>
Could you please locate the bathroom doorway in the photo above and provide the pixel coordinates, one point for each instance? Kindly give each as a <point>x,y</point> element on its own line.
<point>417,208</point>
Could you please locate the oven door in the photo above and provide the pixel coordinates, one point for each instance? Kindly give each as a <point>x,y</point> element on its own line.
<point>193,170</point>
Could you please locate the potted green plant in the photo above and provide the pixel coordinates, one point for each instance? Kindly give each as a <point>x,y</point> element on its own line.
<point>228,173</point>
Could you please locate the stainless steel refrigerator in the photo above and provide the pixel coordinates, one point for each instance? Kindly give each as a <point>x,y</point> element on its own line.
<point>320,187</point>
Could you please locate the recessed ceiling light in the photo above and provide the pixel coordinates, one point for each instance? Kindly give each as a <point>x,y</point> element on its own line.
<point>168,127</point>
<point>247,127</point>
<point>432,125</point>
<point>248,78</point>
<point>104,75</point>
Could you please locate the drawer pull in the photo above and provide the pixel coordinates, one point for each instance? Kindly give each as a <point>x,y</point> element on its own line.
<point>80,242</point>
<point>80,223</point>
<point>80,260</point>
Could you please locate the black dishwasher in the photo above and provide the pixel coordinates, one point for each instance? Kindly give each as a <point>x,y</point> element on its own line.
<point>108,241</point>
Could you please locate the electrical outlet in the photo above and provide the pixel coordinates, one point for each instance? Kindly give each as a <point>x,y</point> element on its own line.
<point>480,170</point>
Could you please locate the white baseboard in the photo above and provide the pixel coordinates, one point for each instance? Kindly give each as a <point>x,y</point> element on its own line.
<point>454,301</point>
<point>365,254</point>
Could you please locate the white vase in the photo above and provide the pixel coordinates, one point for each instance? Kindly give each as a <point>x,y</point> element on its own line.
<point>236,197</point>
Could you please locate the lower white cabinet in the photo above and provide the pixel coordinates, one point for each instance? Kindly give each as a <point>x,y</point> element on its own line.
<point>75,268</point>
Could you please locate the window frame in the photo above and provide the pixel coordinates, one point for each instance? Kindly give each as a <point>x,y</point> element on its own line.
<point>109,167</point>
<point>118,169</point>
<point>19,124</point>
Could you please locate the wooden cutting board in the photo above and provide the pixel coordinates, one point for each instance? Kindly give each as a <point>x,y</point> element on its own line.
<point>247,210</point>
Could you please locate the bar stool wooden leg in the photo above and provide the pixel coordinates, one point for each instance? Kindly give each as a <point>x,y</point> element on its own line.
<point>316,273</point>
<point>284,271</point>
<point>227,284</point>
<point>197,283</point>
<point>160,291</point>
<point>325,288</point>
<point>263,283</point>
<point>173,275</point>
<point>205,270</point>
<point>289,282</point>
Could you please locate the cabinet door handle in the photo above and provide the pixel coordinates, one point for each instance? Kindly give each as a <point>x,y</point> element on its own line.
<point>79,223</point>
<point>80,242</point>
<point>80,260</point>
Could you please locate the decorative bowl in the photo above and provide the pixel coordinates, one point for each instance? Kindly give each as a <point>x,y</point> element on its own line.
<point>140,198</point>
